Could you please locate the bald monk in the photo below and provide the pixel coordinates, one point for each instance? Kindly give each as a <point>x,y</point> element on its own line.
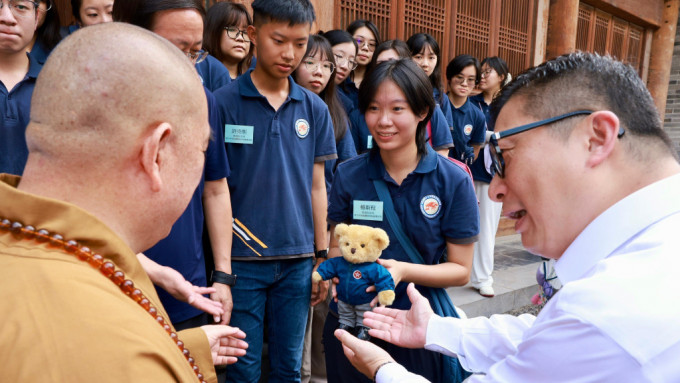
<point>116,139</point>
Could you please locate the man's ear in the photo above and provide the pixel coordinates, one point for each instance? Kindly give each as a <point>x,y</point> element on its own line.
<point>154,153</point>
<point>602,136</point>
<point>252,34</point>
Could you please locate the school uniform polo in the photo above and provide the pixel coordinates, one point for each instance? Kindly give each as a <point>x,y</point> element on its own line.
<point>272,155</point>
<point>469,124</point>
<point>15,109</point>
<point>440,132</point>
<point>478,168</point>
<point>346,150</point>
<point>436,204</point>
<point>39,52</point>
<point>213,73</point>
<point>183,249</point>
<point>350,90</point>
<point>443,102</point>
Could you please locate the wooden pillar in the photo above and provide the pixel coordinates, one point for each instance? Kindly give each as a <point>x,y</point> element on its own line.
<point>661,55</point>
<point>324,10</point>
<point>562,23</point>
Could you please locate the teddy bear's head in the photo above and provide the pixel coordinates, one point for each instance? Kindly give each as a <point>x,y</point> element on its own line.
<point>359,243</point>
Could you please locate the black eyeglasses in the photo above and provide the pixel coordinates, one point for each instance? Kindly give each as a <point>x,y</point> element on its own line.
<point>497,153</point>
<point>234,33</point>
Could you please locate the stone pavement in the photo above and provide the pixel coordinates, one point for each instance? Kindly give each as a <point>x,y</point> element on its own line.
<point>514,281</point>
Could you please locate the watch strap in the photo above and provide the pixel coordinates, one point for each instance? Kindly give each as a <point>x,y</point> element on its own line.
<point>222,277</point>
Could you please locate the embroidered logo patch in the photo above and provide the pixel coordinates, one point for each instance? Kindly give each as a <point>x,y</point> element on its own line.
<point>430,206</point>
<point>302,128</point>
<point>356,274</point>
<point>467,129</point>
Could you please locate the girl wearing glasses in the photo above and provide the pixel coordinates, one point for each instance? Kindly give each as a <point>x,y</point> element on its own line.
<point>469,126</point>
<point>367,36</point>
<point>494,76</point>
<point>433,200</point>
<point>317,72</point>
<point>345,52</point>
<point>226,36</point>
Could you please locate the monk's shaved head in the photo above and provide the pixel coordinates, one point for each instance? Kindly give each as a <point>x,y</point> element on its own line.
<point>119,127</point>
<point>104,86</point>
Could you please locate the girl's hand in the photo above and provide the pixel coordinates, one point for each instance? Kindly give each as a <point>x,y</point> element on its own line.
<point>396,268</point>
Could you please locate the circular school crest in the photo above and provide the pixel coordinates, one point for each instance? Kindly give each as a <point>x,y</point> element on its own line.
<point>356,274</point>
<point>467,129</point>
<point>430,206</point>
<point>302,128</point>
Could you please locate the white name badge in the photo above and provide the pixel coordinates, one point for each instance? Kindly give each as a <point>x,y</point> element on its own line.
<point>369,142</point>
<point>368,210</point>
<point>238,134</point>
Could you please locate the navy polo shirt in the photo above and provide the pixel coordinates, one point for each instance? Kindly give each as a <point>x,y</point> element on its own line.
<point>39,52</point>
<point>436,204</point>
<point>350,90</point>
<point>15,108</point>
<point>469,124</point>
<point>213,73</point>
<point>478,168</point>
<point>363,141</point>
<point>182,249</point>
<point>346,150</point>
<point>347,103</point>
<point>443,102</point>
<point>271,179</point>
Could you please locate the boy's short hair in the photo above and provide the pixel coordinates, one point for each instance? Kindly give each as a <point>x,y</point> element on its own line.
<point>294,12</point>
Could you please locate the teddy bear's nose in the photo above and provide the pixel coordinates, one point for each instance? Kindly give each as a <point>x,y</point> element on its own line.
<point>354,250</point>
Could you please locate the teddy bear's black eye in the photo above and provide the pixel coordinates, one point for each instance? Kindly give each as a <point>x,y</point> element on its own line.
<point>362,245</point>
<point>346,243</point>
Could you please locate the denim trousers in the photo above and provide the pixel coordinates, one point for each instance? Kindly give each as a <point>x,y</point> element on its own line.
<point>278,291</point>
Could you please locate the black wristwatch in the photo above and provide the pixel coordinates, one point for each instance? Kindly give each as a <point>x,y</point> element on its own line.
<point>222,277</point>
<point>321,254</point>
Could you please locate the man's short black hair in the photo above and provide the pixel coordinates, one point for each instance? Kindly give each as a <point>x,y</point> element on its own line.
<point>589,81</point>
<point>141,12</point>
<point>294,12</point>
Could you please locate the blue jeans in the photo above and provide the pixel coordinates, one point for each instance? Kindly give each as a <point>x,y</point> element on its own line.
<point>283,287</point>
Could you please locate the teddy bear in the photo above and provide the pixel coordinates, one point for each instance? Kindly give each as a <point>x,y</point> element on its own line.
<point>357,269</point>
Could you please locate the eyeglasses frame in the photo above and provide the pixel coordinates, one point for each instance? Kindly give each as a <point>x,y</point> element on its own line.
<point>497,153</point>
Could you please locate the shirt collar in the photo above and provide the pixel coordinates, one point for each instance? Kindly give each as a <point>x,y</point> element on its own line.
<point>376,168</point>
<point>247,88</point>
<point>617,225</point>
<point>463,108</point>
<point>34,67</point>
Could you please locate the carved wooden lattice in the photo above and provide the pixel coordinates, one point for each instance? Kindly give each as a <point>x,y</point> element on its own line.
<point>480,28</point>
<point>600,32</point>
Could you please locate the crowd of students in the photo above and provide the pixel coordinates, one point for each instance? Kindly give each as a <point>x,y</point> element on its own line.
<point>311,124</point>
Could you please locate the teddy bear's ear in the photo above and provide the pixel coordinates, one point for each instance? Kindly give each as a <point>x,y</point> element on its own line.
<point>340,230</point>
<point>381,238</point>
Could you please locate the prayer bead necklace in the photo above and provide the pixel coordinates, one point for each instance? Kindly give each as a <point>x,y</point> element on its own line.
<point>107,268</point>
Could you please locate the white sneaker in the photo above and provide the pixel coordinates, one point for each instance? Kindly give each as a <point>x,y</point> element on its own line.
<point>486,291</point>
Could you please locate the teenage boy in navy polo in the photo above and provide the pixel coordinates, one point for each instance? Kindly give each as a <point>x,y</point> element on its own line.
<point>277,136</point>
<point>18,72</point>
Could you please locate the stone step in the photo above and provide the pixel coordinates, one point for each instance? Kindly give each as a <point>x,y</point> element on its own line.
<point>514,281</point>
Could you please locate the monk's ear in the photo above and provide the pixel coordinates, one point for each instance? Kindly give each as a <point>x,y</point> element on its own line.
<point>602,134</point>
<point>154,153</point>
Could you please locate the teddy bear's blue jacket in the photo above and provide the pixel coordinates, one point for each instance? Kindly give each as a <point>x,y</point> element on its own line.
<point>355,278</point>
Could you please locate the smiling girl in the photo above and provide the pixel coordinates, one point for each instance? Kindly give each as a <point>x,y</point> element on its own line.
<point>433,200</point>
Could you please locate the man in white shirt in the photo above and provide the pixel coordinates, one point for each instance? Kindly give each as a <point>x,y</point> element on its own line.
<point>584,167</point>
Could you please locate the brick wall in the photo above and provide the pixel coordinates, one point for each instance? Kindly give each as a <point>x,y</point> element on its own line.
<point>672,118</point>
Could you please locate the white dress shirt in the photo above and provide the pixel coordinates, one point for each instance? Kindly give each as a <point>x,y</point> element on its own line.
<point>617,318</point>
